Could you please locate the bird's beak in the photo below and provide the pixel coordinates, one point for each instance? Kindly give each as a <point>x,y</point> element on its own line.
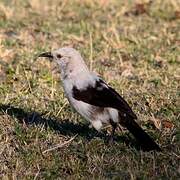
<point>46,54</point>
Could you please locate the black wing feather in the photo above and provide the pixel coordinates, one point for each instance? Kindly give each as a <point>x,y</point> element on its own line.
<point>104,96</point>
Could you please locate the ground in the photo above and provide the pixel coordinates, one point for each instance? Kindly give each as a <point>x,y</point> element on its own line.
<point>133,45</point>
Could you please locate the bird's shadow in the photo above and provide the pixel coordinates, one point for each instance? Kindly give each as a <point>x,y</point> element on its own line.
<point>63,127</point>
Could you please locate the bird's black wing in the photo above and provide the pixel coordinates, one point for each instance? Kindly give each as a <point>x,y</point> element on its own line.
<point>103,95</point>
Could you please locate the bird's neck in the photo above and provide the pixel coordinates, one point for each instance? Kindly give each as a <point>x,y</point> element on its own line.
<point>79,77</point>
<point>72,71</point>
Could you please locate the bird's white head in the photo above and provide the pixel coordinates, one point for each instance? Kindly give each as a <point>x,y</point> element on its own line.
<point>69,60</point>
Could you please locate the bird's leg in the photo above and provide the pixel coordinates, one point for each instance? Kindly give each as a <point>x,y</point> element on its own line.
<point>114,126</point>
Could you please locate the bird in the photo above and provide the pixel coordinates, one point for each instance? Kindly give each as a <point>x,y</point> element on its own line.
<point>94,99</point>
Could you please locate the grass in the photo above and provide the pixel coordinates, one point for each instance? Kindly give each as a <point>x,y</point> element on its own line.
<point>134,46</point>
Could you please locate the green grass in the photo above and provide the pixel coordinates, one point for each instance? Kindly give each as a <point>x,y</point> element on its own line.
<point>135,48</point>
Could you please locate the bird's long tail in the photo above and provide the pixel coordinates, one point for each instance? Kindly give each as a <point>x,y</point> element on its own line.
<point>146,142</point>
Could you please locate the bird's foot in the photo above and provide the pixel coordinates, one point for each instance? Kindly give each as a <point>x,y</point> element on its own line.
<point>110,140</point>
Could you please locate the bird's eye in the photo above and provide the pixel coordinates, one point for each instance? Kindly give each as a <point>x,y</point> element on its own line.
<point>59,56</point>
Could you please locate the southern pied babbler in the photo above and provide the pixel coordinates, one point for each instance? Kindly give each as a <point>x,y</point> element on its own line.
<point>93,99</point>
